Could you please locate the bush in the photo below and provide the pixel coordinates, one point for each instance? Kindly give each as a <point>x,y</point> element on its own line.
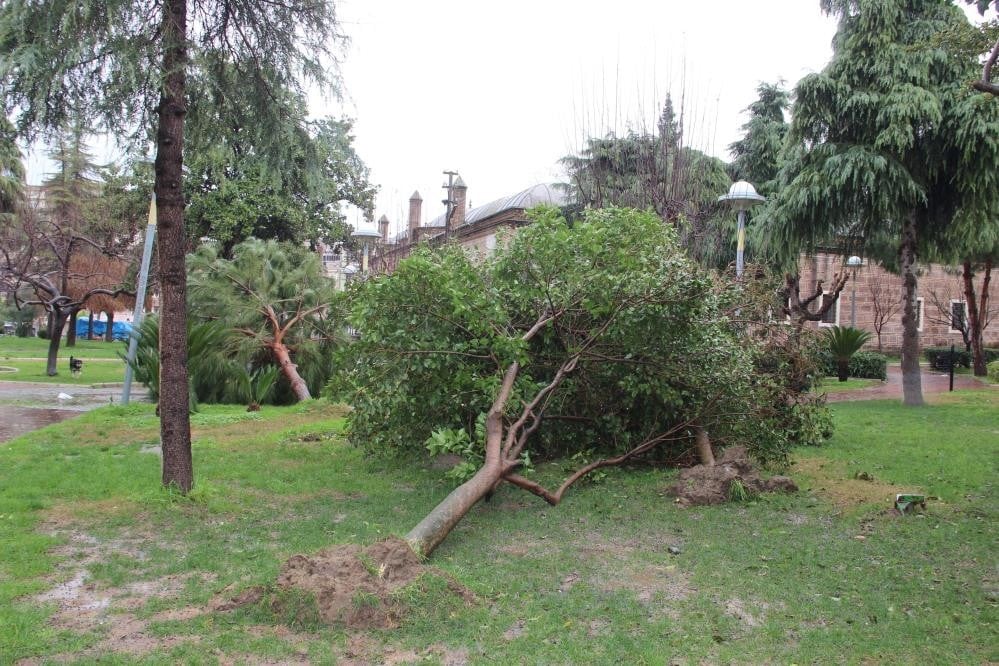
<point>440,334</point>
<point>994,371</point>
<point>863,365</point>
<point>939,357</point>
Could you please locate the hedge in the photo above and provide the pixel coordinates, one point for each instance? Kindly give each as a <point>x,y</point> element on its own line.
<point>939,357</point>
<point>863,365</point>
<point>994,371</point>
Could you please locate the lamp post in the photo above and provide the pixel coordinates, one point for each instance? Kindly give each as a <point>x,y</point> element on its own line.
<point>854,262</point>
<point>741,197</point>
<point>365,235</point>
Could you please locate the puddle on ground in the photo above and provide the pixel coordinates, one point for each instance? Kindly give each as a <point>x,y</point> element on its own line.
<point>16,421</point>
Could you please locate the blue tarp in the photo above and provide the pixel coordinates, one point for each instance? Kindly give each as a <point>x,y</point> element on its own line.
<point>119,330</point>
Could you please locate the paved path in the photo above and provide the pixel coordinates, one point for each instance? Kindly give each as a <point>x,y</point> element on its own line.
<point>933,382</point>
<point>27,406</point>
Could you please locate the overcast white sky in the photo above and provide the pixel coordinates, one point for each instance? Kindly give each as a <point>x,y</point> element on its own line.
<point>499,91</point>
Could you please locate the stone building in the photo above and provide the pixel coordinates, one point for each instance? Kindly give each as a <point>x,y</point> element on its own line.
<point>875,298</point>
<point>871,301</point>
<point>479,228</point>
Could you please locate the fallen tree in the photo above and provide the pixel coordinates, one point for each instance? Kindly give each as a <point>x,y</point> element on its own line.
<point>598,341</point>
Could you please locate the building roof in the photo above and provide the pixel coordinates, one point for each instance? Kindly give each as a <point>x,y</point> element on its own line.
<point>542,193</point>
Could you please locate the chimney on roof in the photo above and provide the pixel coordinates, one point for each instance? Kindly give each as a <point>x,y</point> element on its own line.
<point>383,225</point>
<point>460,192</point>
<point>415,204</point>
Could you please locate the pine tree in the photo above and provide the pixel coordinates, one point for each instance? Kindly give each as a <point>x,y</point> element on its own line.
<point>887,140</point>
<point>127,65</point>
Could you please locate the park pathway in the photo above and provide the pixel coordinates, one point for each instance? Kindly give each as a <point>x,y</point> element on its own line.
<point>27,406</point>
<point>934,382</point>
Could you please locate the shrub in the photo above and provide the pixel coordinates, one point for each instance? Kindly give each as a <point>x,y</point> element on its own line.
<point>994,371</point>
<point>844,342</point>
<point>939,357</point>
<point>863,365</point>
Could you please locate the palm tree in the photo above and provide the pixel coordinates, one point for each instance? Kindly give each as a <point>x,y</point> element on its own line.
<point>844,342</point>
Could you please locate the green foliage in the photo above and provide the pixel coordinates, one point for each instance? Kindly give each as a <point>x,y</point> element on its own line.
<point>939,357</point>
<point>993,369</point>
<point>654,349</point>
<point>655,170</point>
<point>270,294</point>
<point>845,341</point>
<point>255,386</point>
<point>211,375</point>
<point>236,195</point>
<point>863,365</point>
<point>887,132</point>
<point>757,156</point>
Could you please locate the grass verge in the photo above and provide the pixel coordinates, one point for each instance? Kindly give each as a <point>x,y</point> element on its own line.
<point>823,576</point>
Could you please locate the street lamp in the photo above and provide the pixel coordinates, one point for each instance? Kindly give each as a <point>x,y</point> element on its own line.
<point>741,197</point>
<point>854,262</point>
<point>365,235</point>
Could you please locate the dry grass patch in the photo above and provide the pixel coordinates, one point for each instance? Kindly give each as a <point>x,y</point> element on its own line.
<point>831,480</point>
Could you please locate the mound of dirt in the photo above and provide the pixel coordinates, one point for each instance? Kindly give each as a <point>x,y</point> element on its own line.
<point>701,484</point>
<point>355,586</point>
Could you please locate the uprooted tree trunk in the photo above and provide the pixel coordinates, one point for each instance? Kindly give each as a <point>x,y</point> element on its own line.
<point>504,445</point>
<point>290,370</point>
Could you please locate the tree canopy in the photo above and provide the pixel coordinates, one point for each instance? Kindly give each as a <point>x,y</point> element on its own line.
<point>887,142</point>
<point>599,339</point>
<point>127,66</point>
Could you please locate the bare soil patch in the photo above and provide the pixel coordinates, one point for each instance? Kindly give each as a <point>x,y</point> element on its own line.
<point>701,484</point>
<point>831,480</point>
<point>356,587</point>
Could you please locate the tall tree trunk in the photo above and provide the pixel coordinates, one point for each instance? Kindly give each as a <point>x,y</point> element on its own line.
<point>90,325</point>
<point>975,315</point>
<point>290,371</point>
<point>71,331</point>
<point>175,420</point>
<point>912,383</point>
<point>109,331</point>
<point>57,320</point>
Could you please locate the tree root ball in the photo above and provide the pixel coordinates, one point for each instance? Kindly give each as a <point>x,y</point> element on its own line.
<point>357,587</point>
<point>717,484</point>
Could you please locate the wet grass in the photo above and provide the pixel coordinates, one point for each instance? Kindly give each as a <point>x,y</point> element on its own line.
<point>94,371</point>
<point>833,385</point>
<point>14,347</point>
<point>822,576</point>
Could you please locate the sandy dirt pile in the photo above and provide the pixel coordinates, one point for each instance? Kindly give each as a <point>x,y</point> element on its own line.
<point>356,586</point>
<point>701,484</point>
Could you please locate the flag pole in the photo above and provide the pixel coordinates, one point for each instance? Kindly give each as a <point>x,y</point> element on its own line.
<point>140,300</point>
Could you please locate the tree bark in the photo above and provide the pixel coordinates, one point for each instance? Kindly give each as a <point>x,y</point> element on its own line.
<point>71,331</point>
<point>57,320</point>
<point>109,331</point>
<point>435,527</point>
<point>975,315</point>
<point>290,371</point>
<point>175,422</point>
<point>703,445</point>
<point>90,325</point>
<point>912,384</point>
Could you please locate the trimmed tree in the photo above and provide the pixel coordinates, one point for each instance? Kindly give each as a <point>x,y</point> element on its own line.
<point>887,140</point>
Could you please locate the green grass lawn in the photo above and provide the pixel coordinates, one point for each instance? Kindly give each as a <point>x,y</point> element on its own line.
<point>833,385</point>
<point>101,363</point>
<point>823,576</point>
<point>14,347</point>
<point>95,371</point>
